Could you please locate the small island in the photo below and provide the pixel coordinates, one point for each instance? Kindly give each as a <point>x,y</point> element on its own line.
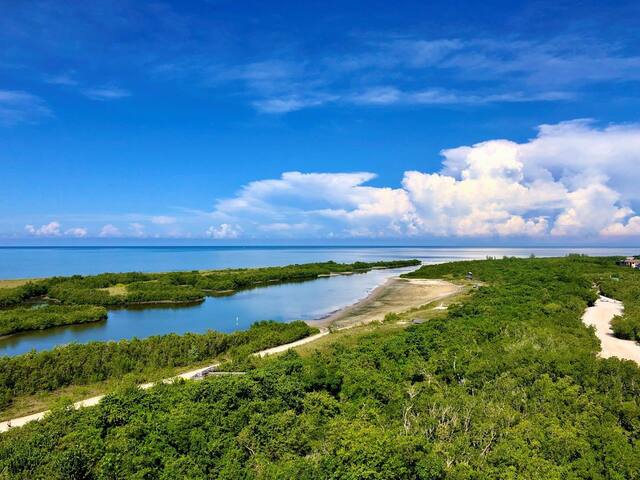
<point>56,301</point>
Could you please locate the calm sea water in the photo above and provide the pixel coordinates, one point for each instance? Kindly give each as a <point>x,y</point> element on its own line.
<point>31,262</point>
<point>287,302</point>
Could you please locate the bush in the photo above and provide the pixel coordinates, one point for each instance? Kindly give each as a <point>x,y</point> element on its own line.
<point>506,385</point>
<point>10,297</point>
<point>47,316</point>
<point>391,317</point>
<point>626,327</point>
<point>78,364</point>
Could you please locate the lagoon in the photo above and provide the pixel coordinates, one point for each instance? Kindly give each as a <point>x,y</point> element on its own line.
<point>284,302</point>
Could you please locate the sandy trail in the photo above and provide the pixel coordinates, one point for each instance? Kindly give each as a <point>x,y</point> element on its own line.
<point>197,374</point>
<point>396,295</point>
<point>90,402</point>
<point>288,346</point>
<point>600,316</point>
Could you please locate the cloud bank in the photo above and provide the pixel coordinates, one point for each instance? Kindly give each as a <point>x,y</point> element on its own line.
<point>54,229</point>
<point>572,180</point>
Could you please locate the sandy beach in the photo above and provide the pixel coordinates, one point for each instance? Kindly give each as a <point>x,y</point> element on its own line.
<point>395,295</point>
<point>600,316</point>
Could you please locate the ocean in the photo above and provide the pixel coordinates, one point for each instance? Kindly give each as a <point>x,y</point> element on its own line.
<point>283,302</point>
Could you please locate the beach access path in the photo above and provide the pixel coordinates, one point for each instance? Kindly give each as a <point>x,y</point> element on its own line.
<point>396,295</point>
<point>599,316</point>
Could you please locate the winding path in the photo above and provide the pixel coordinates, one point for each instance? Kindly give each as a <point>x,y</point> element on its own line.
<point>394,296</point>
<point>600,316</point>
<point>196,374</point>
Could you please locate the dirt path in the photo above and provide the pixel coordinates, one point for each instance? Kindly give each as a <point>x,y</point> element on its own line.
<point>284,348</point>
<point>600,316</point>
<point>90,402</point>
<point>396,295</point>
<point>196,374</point>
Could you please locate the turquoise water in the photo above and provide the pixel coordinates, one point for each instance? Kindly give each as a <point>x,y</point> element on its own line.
<point>30,262</point>
<point>286,302</point>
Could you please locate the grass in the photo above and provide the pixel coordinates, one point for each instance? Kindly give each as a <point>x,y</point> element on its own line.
<point>119,289</point>
<point>14,283</point>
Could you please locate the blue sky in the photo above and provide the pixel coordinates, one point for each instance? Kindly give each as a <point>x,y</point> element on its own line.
<point>220,121</point>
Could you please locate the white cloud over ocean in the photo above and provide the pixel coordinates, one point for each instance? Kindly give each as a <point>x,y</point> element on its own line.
<point>54,229</point>
<point>223,231</point>
<point>572,180</point>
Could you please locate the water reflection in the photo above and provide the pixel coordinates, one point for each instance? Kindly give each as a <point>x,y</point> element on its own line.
<point>225,313</point>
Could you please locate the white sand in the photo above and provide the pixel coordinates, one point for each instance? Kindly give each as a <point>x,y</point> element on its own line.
<point>287,346</point>
<point>600,316</point>
<point>396,295</point>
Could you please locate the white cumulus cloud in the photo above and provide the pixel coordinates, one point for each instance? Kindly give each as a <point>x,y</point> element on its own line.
<point>54,229</point>
<point>110,230</point>
<point>51,229</point>
<point>631,228</point>
<point>223,231</point>
<point>572,180</point>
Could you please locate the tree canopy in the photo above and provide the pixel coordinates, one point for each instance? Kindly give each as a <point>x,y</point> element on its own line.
<point>506,385</point>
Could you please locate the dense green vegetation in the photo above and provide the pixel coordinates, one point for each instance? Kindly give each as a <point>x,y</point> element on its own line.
<point>74,292</point>
<point>506,386</point>
<point>46,316</point>
<point>121,289</point>
<point>10,297</point>
<point>624,285</point>
<point>188,286</point>
<point>78,364</point>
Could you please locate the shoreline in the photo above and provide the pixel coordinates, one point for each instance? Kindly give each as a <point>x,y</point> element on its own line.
<point>328,319</point>
<point>395,286</point>
<point>370,296</point>
<point>395,295</point>
<point>166,303</point>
